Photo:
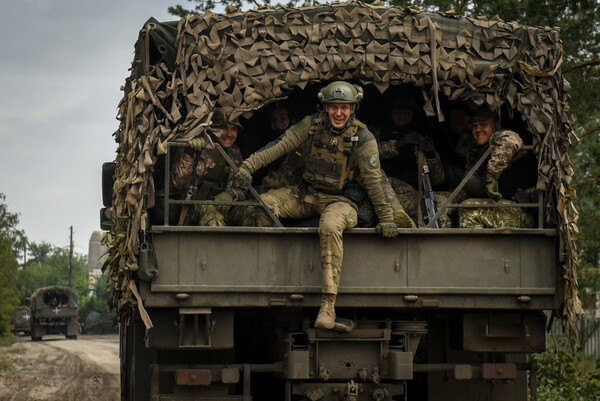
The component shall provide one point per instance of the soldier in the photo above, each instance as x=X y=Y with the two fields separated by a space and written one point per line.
x=341 y=151
x=398 y=138
x=206 y=173
x=509 y=169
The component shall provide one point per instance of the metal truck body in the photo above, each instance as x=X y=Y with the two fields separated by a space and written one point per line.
x=442 y=314
x=54 y=310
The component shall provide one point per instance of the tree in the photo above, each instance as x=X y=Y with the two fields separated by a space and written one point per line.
x=10 y=237
x=53 y=269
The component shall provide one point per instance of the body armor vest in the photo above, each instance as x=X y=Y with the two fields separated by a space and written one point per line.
x=330 y=163
x=214 y=181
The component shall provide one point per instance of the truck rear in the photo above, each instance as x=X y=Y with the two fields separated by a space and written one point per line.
x=54 y=310
x=227 y=313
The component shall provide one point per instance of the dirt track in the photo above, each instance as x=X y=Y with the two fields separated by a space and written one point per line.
x=57 y=369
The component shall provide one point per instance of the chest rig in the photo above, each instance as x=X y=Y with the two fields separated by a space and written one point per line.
x=332 y=160
x=214 y=180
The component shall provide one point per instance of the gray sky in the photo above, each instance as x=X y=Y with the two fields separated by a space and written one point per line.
x=62 y=63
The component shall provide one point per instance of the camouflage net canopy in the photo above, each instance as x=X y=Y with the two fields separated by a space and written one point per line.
x=243 y=61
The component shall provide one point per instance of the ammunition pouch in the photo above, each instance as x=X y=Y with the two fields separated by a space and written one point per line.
x=327 y=174
x=147 y=266
x=367 y=216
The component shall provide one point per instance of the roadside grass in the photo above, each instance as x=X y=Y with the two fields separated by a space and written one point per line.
x=6 y=363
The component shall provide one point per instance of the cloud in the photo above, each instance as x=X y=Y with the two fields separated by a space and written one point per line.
x=63 y=63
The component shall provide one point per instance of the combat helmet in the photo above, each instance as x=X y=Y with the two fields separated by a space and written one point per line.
x=341 y=92
x=221 y=118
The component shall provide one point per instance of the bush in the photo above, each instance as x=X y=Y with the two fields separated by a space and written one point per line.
x=567 y=374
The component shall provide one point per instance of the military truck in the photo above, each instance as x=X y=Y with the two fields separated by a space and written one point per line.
x=227 y=313
x=22 y=320
x=54 y=310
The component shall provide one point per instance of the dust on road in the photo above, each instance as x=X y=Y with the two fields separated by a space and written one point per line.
x=56 y=369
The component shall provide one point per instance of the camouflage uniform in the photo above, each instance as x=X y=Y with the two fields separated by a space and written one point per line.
x=507 y=151
x=496 y=217
x=409 y=199
x=318 y=193
x=214 y=176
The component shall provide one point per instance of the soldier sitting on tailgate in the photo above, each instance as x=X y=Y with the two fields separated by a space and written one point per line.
x=508 y=172
x=342 y=152
x=203 y=173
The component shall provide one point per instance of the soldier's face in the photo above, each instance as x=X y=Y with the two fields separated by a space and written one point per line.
x=229 y=134
x=280 y=119
x=483 y=130
x=339 y=113
x=401 y=116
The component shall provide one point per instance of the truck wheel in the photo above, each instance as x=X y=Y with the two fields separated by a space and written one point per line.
x=135 y=363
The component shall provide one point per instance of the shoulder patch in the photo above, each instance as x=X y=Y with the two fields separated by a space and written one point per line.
x=373 y=160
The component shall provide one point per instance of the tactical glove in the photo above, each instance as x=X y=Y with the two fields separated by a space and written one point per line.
x=387 y=229
x=211 y=217
x=424 y=143
x=197 y=143
x=224 y=197
x=491 y=184
x=243 y=176
x=427 y=148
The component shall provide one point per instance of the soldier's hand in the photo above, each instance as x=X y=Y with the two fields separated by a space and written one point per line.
x=224 y=197
x=387 y=229
x=212 y=217
x=427 y=148
x=423 y=143
x=491 y=184
x=243 y=176
x=197 y=143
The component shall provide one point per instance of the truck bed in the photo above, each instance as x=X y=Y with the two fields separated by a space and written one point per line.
x=441 y=268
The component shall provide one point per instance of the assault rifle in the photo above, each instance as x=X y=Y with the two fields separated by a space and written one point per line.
x=428 y=192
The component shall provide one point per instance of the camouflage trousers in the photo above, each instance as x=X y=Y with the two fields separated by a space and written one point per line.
x=495 y=217
x=409 y=198
x=336 y=215
x=209 y=215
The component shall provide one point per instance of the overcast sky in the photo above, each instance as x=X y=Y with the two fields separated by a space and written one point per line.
x=62 y=63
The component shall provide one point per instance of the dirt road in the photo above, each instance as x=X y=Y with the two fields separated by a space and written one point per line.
x=57 y=369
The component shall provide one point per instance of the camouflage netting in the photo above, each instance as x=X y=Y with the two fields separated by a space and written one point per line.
x=243 y=61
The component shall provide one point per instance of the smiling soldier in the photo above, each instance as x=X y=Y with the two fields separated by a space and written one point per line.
x=342 y=153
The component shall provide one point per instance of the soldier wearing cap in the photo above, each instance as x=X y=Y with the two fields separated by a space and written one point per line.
x=340 y=151
x=206 y=173
x=508 y=169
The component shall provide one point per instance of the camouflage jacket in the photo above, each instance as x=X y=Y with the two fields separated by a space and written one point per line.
x=366 y=160
x=183 y=166
x=508 y=148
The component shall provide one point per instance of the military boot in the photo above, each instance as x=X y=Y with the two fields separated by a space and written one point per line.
x=326 y=317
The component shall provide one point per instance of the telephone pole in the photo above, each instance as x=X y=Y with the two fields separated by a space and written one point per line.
x=71 y=259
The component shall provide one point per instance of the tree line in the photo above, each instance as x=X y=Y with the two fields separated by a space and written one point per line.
x=42 y=265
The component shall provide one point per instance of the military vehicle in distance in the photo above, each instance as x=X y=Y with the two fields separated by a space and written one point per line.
x=227 y=313
x=23 y=320
x=54 y=310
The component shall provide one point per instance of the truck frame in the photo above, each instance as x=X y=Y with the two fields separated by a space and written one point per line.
x=437 y=314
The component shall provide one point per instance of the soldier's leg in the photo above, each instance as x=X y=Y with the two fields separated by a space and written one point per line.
x=475 y=217
x=284 y=203
x=401 y=218
x=510 y=216
x=335 y=218
x=209 y=216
